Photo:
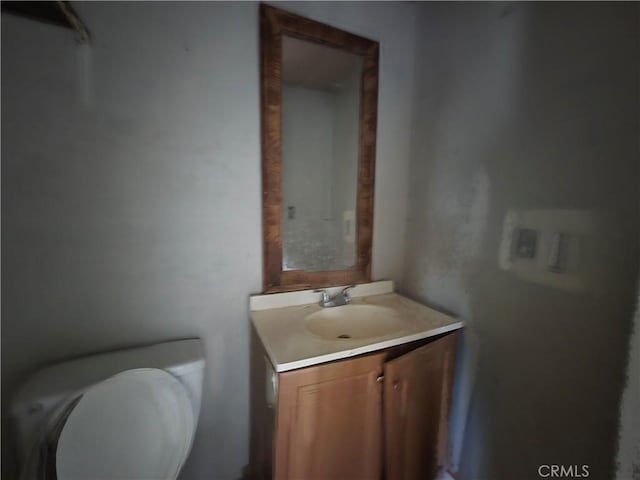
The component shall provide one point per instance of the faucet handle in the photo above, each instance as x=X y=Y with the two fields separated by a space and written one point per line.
x=345 y=292
x=325 y=294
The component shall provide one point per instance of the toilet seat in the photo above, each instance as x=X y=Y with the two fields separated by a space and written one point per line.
x=138 y=424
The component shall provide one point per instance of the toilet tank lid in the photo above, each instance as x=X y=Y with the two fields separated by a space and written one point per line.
x=179 y=357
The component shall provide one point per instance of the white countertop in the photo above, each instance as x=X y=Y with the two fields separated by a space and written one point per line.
x=279 y=320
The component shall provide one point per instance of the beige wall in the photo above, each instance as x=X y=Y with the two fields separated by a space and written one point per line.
x=528 y=106
x=131 y=197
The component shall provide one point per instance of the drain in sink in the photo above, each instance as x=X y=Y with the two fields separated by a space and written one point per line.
x=344 y=335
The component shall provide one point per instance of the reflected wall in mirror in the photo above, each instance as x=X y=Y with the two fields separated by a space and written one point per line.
x=319 y=101
x=320 y=128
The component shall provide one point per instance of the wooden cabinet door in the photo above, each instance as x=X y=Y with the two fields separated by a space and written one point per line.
x=417 y=397
x=329 y=424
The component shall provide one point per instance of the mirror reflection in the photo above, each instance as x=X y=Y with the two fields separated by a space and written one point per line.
x=320 y=138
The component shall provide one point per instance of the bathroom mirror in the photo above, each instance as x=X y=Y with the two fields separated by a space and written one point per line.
x=319 y=90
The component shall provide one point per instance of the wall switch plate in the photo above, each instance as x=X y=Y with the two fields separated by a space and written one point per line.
x=558 y=253
x=506 y=252
x=551 y=247
x=526 y=243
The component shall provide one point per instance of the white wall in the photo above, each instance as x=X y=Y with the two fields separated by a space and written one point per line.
x=628 y=456
x=135 y=217
x=527 y=106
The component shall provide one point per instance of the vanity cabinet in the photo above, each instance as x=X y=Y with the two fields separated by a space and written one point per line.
x=417 y=401
x=382 y=415
x=329 y=421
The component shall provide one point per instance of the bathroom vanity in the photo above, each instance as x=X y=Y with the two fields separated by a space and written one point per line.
x=359 y=387
x=355 y=391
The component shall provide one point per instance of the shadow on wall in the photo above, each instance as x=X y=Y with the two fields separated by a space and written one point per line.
x=527 y=106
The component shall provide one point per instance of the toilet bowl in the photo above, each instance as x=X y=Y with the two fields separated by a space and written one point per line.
x=127 y=414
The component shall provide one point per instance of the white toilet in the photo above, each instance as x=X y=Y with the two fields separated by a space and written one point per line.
x=126 y=414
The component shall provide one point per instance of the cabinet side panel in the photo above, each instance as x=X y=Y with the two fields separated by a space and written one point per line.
x=449 y=345
x=262 y=416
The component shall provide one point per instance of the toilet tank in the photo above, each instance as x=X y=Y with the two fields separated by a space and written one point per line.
x=48 y=387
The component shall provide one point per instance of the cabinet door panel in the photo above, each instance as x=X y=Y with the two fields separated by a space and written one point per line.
x=330 y=419
x=416 y=396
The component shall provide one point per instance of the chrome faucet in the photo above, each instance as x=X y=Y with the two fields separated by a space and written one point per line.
x=341 y=298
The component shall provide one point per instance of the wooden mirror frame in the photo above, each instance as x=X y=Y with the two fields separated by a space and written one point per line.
x=273 y=24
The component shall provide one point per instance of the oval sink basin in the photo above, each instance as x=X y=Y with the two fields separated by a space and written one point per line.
x=353 y=322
